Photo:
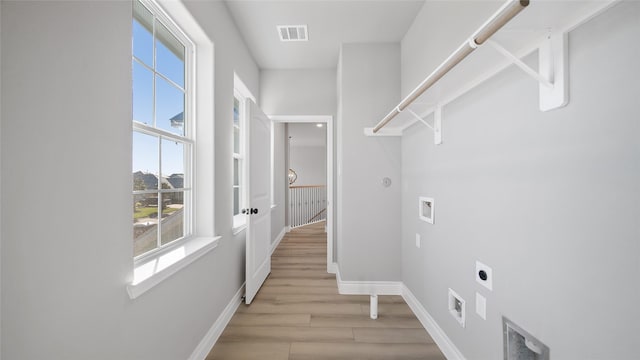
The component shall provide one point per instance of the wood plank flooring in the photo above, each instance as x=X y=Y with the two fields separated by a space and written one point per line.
x=298 y=314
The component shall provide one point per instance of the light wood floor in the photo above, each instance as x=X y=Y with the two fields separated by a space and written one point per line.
x=298 y=314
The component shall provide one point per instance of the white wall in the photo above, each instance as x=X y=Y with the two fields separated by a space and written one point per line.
x=368 y=213
x=308 y=156
x=298 y=92
x=549 y=200
x=66 y=255
x=310 y=163
x=459 y=18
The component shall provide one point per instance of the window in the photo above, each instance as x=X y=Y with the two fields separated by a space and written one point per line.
x=241 y=95
x=163 y=128
x=238 y=161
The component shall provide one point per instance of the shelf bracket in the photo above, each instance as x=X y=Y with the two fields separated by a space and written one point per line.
x=553 y=59
x=553 y=70
x=437 y=123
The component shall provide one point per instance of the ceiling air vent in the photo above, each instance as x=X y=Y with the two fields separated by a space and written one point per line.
x=293 y=32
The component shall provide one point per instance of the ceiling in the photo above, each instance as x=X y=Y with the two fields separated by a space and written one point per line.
x=330 y=23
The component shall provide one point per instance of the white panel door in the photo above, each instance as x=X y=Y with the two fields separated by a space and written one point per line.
x=258 y=261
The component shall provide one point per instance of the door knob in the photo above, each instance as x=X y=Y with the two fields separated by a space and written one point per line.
x=254 y=211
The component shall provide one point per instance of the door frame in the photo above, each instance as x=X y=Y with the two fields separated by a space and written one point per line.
x=328 y=120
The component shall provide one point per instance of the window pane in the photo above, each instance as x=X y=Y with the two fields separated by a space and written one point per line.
x=145 y=161
x=236 y=139
x=169 y=107
x=142 y=34
x=172 y=216
x=142 y=44
x=169 y=55
x=236 y=174
x=142 y=94
x=236 y=112
x=145 y=223
x=172 y=164
x=236 y=200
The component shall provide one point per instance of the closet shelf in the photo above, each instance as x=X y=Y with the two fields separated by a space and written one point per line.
x=543 y=26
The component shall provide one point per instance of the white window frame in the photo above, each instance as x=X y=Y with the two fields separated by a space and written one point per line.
x=188 y=140
x=242 y=93
x=151 y=270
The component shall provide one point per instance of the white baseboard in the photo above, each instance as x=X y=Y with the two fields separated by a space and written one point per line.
x=206 y=344
x=275 y=244
x=445 y=344
x=367 y=287
x=332 y=268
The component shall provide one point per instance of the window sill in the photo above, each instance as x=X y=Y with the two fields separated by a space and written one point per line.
x=240 y=228
x=239 y=224
x=157 y=269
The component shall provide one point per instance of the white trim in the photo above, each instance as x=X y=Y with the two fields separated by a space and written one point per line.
x=279 y=238
x=346 y=287
x=368 y=131
x=332 y=268
x=202 y=109
x=450 y=351
x=301 y=118
x=206 y=344
x=238 y=229
x=239 y=221
x=160 y=268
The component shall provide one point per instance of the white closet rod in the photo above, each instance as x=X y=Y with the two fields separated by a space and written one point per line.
x=507 y=12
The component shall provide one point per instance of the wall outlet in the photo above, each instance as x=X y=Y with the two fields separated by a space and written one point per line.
x=457 y=307
x=481 y=306
x=426 y=209
x=418 y=240
x=484 y=275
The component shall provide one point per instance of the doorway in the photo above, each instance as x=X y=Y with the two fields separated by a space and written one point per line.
x=327 y=122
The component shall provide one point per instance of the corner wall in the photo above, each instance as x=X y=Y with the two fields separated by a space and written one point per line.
x=549 y=200
x=368 y=213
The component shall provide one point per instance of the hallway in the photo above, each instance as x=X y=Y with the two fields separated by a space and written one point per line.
x=298 y=314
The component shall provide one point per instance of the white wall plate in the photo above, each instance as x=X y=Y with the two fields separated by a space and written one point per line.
x=484 y=275
x=457 y=307
x=481 y=306
x=426 y=209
